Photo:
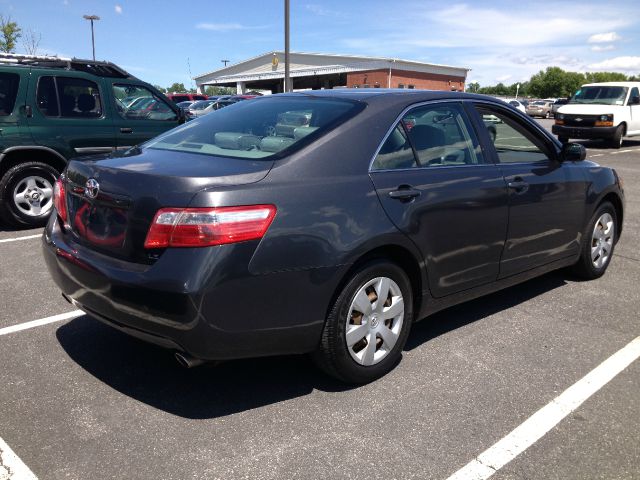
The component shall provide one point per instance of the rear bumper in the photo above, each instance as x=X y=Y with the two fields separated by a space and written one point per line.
x=584 y=132
x=202 y=301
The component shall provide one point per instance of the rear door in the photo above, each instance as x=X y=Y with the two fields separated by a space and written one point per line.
x=139 y=113
x=69 y=113
x=547 y=197
x=438 y=187
x=13 y=93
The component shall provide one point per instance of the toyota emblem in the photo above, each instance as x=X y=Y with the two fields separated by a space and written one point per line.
x=91 y=188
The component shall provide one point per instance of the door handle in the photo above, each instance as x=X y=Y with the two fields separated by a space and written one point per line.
x=404 y=193
x=126 y=130
x=519 y=185
x=28 y=111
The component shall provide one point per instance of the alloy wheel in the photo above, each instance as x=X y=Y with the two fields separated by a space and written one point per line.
x=33 y=196
x=602 y=240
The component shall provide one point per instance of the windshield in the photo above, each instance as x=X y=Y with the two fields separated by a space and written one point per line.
x=258 y=129
x=603 y=95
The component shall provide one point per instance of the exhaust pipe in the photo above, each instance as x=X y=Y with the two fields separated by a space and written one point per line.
x=187 y=361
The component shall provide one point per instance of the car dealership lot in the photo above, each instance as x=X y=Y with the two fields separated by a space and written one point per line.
x=81 y=400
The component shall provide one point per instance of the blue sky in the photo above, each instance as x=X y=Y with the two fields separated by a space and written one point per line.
x=499 y=40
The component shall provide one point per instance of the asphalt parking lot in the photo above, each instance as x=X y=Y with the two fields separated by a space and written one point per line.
x=81 y=400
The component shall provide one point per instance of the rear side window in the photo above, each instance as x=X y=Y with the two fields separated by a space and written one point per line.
x=440 y=135
x=68 y=97
x=135 y=102
x=258 y=128
x=8 y=90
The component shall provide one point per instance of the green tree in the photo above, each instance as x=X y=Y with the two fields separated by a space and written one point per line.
x=176 y=88
x=9 y=32
x=473 y=87
x=597 y=77
x=161 y=89
x=219 y=91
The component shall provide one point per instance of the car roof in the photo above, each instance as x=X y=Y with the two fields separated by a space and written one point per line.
x=612 y=84
x=389 y=95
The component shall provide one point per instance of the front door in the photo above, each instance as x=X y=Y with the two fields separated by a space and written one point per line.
x=546 y=196
x=438 y=187
x=140 y=114
x=69 y=114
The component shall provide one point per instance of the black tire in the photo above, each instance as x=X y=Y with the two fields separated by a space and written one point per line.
x=563 y=139
x=616 y=140
x=584 y=267
x=547 y=115
x=332 y=355
x=10 y=211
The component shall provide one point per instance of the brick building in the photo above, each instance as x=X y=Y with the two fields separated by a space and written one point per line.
x=316 y=71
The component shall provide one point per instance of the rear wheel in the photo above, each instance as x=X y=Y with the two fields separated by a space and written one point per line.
x=368 y=325
x=599 y=243
x=26 y=194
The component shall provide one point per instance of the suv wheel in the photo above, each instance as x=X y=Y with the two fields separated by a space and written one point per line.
x=26 y=194
x=368 y=325
x=616 y=140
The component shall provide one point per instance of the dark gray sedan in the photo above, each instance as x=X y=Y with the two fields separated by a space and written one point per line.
x=325 y=223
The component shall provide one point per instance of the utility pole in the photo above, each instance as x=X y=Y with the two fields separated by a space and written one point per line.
x=91 y=18
x=225 y=62
x=287 y=74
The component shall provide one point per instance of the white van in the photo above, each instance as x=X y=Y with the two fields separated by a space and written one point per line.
x=607 y=111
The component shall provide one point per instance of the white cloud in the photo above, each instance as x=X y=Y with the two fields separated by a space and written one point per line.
x=626 y=63
x=222 y=27
x=604 y=37
x=602 y=48
x=322 y=11
x=503 y=78
x=118 y=9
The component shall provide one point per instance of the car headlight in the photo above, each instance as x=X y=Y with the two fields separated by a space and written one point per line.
x=560 y=116
x=605 y=120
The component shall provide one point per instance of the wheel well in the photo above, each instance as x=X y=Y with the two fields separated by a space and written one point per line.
x=624 y=128
x=617 y=204
x=393 y=253
x=17 y=157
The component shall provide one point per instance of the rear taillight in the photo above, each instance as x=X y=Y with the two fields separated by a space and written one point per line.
x=60 y=199
x=203 y=227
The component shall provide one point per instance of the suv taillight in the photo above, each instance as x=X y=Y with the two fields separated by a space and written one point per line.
x=60 y=199
x=203 y=227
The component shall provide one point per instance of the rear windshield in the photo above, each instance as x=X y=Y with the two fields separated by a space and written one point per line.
x=600 y=94
x=258 y=128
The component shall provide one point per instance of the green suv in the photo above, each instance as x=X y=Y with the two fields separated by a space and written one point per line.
x=53 y=109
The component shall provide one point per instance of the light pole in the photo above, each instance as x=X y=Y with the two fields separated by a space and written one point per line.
x=93 y=43
x=287 y=75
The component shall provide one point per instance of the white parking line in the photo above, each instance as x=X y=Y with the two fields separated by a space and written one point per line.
x=40 y=322
x=11 y=467
x=541 y=422
x=28 y=237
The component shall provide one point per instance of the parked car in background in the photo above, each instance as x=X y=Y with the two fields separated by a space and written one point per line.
x=197 y=109
x=242 y=97
x=557 y=104
x=317 y=223
x=608 y=111
x=539 y=108
x=183 y=97
x=53 y=109
x=517 y=104
x=218 y=104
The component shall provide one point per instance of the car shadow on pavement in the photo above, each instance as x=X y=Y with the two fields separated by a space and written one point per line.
x=469 y=312
x=602 y=145
x=151 y=375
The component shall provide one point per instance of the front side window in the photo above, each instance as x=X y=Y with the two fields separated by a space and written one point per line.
x=634 y=94
x=135 y=102
x=513 y=141
x=68 y=97
x=440 y=135
x=259 y=128
x=8 y=91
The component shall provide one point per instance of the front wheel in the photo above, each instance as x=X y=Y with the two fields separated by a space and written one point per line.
x=26 y=194
x=368 y=325
x=599 y=240
x=616 y=140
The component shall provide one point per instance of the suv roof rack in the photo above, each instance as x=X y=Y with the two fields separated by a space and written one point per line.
x=102 y=69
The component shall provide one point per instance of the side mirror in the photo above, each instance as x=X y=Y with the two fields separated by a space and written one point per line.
x=634 y=100
x=573 y=152
x=181 y=116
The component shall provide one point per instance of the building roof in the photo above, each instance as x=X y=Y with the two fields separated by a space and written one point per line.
x=303 y=64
